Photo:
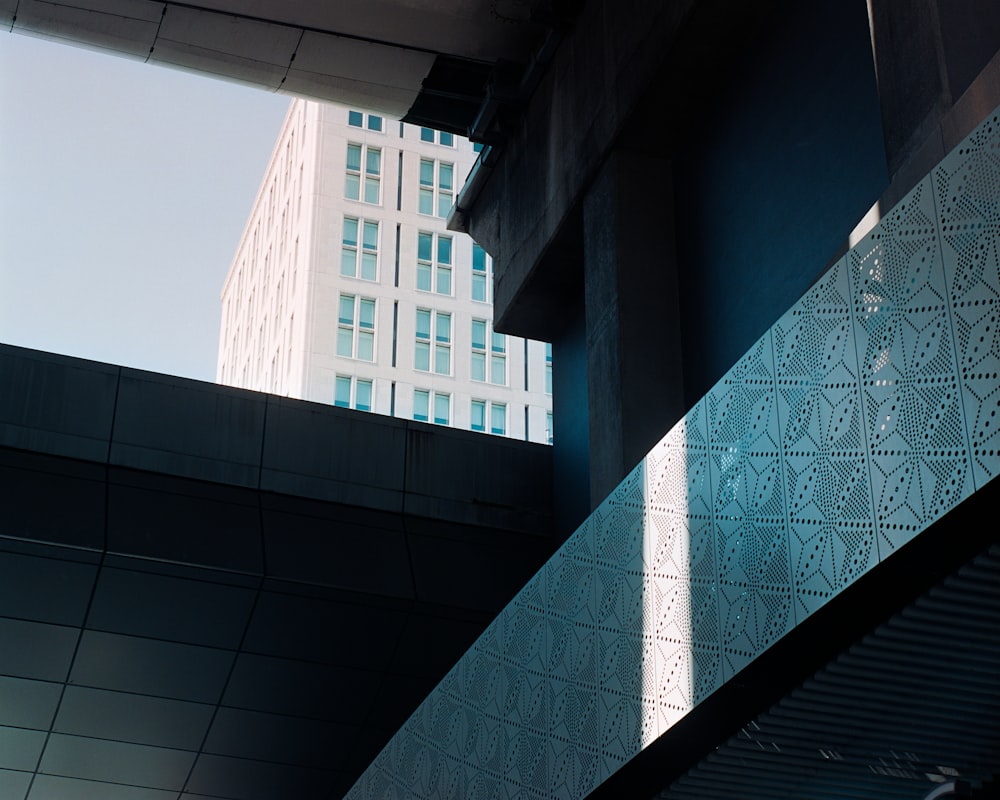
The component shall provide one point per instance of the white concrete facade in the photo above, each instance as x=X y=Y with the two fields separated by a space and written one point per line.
x=348 y=289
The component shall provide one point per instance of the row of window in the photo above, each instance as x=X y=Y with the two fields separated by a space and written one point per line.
x=431 y=406
x=351 y=392
x=435 y=258
x=373 y=122
x=428 y=405
x=363 y=181
x=356 y=327
x=364 y=174
x=432 y=351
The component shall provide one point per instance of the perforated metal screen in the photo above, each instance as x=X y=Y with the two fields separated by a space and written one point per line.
x=863 y=415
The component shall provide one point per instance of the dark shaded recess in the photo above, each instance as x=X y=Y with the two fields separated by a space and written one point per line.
x=909 y=73
x=707 y=49
x=548 y=302
x=927 y=54
x=451 y=95
x=455 y=89
x=989 y=790
x=968 y=48
x=776 y=166
x=571 y=426
x=915 y=569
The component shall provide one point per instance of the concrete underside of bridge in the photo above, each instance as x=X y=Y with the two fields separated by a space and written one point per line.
x=664 y=181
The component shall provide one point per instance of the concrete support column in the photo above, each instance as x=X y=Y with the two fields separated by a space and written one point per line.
x=634 y=365
x=571 y=437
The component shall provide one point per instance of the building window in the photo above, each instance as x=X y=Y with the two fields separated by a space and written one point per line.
x=442 y=408
x=498 y=418
x=364 y=168
x=424 y=401
x=483 y=412
x=356 y=327
x=359 y=258
x=437 y=187
x=358 y=119
x=548 y=426
x=434 y=262
x=497 y=356
x=477 y=415
x=439 y=137
x=351 y=392
x=480 y=276
x=478 y=370
x=421 y=405
x=433 y=334
x=548 y=369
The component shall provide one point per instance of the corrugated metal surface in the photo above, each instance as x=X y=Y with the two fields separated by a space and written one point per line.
x=915 y=704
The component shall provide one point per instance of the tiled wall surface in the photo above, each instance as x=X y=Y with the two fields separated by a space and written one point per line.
x=209 y=592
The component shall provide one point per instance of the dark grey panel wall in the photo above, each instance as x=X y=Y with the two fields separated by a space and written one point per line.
x=928 y=53
x=970 y=32
x=775 y=175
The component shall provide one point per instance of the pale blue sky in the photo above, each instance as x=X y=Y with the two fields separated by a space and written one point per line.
x=124 y=188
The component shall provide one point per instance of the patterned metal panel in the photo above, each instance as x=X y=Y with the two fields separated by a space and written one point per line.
x=830 y=514
x=865 y=413
x=967 y=197
x=917 y=447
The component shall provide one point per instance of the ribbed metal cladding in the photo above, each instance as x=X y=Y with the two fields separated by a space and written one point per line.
x=912 y=705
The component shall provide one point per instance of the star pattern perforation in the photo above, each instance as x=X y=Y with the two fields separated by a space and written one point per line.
x=916 y=440
x=966 y=188
x=867 y=411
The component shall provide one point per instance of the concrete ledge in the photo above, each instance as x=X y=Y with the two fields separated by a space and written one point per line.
x=56 y=404
x=333 y=454
x=102 y=414
x=139 y=466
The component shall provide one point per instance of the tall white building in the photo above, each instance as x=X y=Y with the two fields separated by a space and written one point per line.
x=347 y=288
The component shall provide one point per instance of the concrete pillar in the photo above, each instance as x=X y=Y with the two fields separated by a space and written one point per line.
x=634 y=365
x=571 y=434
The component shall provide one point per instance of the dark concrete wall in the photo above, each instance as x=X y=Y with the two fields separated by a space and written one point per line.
x=970 y=33
x=775 y=174
x=571 y=421
x=780 y=135
x=635 y=371
x=598 y=74
x=928 y=53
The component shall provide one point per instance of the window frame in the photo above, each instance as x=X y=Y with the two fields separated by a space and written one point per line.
x=365 y=121
x=488 y=409
x=548 y=368
x=487 y=353
x=432 y=270
x=433 y=341
x=361 y=334
x=434 y=189
x=502 y=408
x=355 y=385
x=429 y=400
x=362 y=174
x=481 y=276
x=433 y=136
x=360 y=248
